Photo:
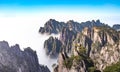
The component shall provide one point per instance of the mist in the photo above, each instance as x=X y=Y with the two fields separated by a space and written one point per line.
x=24 y=31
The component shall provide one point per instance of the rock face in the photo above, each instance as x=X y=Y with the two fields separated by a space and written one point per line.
x=68 y=32
x=12 y=59
x=67 y=37
x=116 y=27
x=105 y=47
x=85 y=47
x=77 y=62
x=102 y=46
x=52 y=47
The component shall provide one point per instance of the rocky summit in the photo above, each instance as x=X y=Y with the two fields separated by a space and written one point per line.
x=55 y=27
x=12 y=59
x=89 y=46
x=52 y=47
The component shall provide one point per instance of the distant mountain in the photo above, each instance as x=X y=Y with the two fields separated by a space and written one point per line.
x=52 y=47
x=55 y=27
x=12 y=59
x=116 y=27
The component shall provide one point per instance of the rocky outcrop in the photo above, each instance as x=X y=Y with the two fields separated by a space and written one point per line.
x=52 y=47
x=92 y=51
x=60 y=68
x=55 y=27
x=92 y=46
x=102 y=45
x=67 y=37
x=116 y=27
x=68 y=32
x=52 y=26
x=74 y=26
x=77 y=62
x=12 y=59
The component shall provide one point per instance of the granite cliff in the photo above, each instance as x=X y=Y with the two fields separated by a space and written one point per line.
x=12 y=59
x=92 y=51
x=89 y=46
x=52 y=47
x=67 y=31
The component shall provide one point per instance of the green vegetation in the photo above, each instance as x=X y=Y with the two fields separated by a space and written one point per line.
x=68 y=62
x=78 y=58
x=96 y=45
x=113 y=68
x=91 y=69
x=80 y=49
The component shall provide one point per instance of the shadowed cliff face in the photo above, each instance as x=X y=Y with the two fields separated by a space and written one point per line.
x=12 y=59
x=52 y=47
x=67 y=37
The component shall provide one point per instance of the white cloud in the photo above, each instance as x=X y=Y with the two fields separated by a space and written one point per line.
x=19 y=27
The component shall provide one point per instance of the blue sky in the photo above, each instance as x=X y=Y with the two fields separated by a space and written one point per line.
x=42 y=3
x=61 y=5
x=59 y=2
x=76 y=9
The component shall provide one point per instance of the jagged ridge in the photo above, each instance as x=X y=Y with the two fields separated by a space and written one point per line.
x=12 y=59
x=68 y=32
x=53 y=26
x=101 y=43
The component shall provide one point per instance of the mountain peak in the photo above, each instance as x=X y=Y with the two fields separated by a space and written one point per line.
x=52 y=21
x=53 y=26
x=12 y=59
x=98 y=21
